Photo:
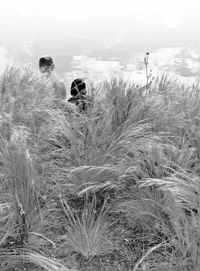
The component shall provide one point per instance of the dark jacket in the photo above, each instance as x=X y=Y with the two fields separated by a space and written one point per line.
x=81 y=101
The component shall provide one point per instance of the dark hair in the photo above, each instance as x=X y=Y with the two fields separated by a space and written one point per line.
x=46 y=61
x=77 y=86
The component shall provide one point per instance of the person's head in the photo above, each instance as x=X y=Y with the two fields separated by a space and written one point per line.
x=78 y=86
x=46 y=64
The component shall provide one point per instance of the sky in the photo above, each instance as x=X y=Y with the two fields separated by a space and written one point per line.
x=26 y=20
x=71 y=30
x=28 y=11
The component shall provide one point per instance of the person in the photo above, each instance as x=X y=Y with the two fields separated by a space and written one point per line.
x=79 y=95
x=47 y=67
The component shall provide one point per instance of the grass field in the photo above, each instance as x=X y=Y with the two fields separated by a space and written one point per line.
x=115 y=189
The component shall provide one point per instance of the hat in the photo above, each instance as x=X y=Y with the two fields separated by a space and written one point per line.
x=77 y=86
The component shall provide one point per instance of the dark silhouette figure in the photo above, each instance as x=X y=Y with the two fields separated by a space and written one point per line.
x=47 y=67
x=79 y=95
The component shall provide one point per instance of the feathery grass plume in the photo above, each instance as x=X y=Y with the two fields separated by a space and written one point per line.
x=119 y=96
x=61 y=141
x=142 y=166
x=183 y=185
x=5 y=127
x=85 y=233
x=167 y=105
x=150 y=209
x=183 y=111
x=18 y=186
x=184 y=188
x=86 y=136
x=181 y=155
x=165 y=221
x=8 y=79
x=29 y=259
x=5 y=221
x=25 y=96
x=83 y=176
x=92 y=142
x=150 y=160
x=46 y=263
x=101 y=183
x=128 y=139
x=155 y=159
x=90 y=137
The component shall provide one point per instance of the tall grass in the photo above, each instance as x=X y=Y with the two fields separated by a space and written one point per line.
x=18 y=182
x=136 y=152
